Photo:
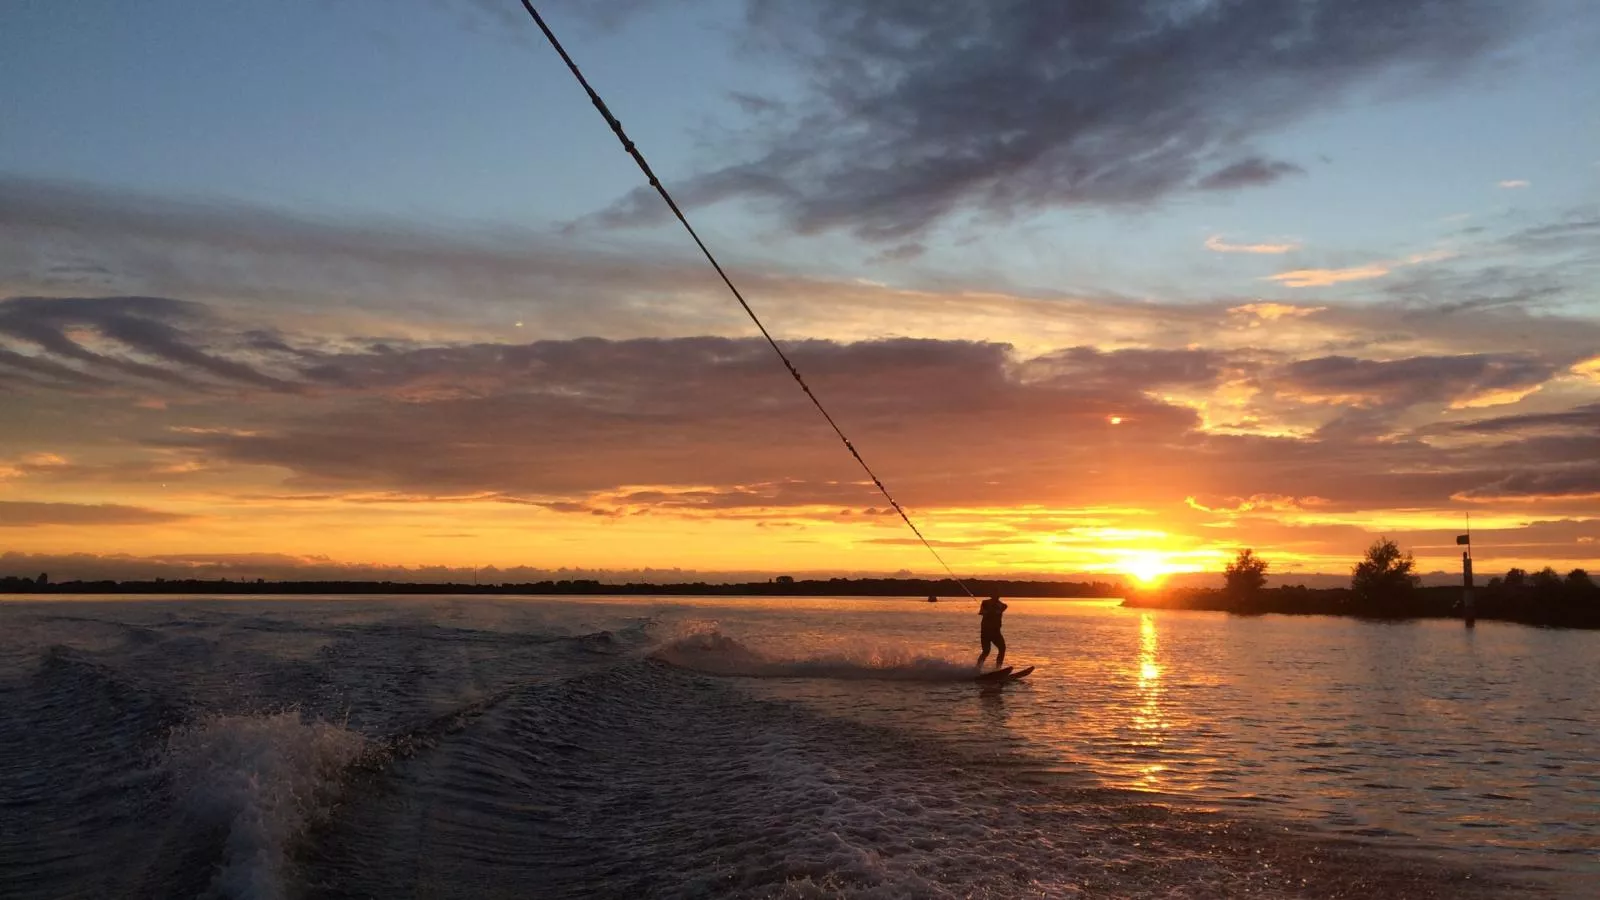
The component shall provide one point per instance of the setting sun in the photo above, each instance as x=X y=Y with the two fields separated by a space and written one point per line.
x=1148 y=568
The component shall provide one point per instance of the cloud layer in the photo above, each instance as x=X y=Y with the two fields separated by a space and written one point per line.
x=704 y=424
x=921 y=111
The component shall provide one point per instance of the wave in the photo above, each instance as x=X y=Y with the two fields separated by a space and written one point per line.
x=602 y=766
x=639 y=780
x=708 y=651
x=261 y=780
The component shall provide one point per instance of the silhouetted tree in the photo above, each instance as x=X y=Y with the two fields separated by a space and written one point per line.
x=1578 y=580
x=1545 y=581
x=1385 y=573
x=1516 y=578
x=1245 y=576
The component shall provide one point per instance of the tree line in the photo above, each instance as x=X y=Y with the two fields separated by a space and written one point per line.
x=780 y=586
x=1383 y=584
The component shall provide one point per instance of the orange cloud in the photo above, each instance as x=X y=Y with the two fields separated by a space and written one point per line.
x=1324 y=277
x=1218 y=244
x=1495 y=397
x=1256 y=503
x=1275 y=311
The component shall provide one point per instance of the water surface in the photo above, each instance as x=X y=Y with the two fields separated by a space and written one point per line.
x=627 y=747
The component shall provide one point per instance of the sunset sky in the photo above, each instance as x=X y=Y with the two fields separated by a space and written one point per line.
x=340 y=286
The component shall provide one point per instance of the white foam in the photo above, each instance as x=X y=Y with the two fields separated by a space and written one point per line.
x=264 y=779
x=708 y=650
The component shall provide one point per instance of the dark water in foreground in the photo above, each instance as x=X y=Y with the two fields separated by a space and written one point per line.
x=473 y=747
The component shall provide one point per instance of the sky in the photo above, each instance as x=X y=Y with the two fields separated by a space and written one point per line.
x=346 y=288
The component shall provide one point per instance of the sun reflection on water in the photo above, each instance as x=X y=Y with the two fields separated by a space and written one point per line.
x=1149 y=718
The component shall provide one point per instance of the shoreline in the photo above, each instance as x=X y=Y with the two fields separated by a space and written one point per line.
x=911 y=588
x=1564 y=608
x=1523 y=606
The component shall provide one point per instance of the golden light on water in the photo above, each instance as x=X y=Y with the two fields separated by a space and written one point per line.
x=1149 y=718
x=1149 y=669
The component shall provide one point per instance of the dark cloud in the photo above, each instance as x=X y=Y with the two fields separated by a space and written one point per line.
x=22 y=514
x=755 y=105
x=1581 y=419
x=712 y=423
x=1251 y=172
x=1578 y=230
x=38 y=372
x=715 y=426
x=150 y=339
x=921 y=110
x=289 y=265
x=268 y=271
x=1349 y=381
x=1577 y=481
x=1089 y=367
x=902 y=252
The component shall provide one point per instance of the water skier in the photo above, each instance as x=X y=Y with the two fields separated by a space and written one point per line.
x=991 y=610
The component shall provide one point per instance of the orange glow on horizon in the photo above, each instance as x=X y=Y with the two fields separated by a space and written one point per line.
x=198 y=513
x=1148 y=567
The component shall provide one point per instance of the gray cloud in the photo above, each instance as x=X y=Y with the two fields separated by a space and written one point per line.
x=1090 y=368
x=1403 y=382
x=1581 y=480
x=579 y=417
x=150 y=339
x=261 y=260
x=715 y=424
x=1251 y=172
x=1579 y=230
x=922 y=110
x=1580 y=419
x=22 y=514
x=352 y=279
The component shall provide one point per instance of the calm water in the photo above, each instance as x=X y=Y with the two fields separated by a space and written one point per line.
x=345 y=747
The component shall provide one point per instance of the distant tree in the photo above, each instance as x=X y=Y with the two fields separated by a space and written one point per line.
x=1246 y=575
x=1516 y=578
x=1384 y=574
x=1579 y=580
x=785 y=579
x=1545 y=580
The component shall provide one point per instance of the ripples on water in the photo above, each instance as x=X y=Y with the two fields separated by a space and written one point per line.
x=477 y=747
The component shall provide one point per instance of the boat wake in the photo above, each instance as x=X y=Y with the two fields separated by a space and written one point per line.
x=709 y=651
x=261 y=781
x=220 y=754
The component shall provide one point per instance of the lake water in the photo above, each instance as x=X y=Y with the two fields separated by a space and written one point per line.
x=628 y=747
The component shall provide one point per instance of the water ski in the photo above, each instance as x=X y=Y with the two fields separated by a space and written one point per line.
x=1000 y=675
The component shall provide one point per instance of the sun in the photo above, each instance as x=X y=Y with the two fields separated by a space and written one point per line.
x=1146 y=572
x=1147 y=568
